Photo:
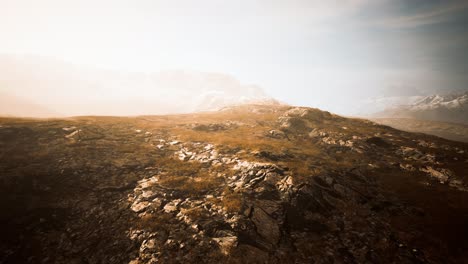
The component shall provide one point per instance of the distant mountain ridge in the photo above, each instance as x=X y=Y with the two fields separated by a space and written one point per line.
x=452 y=101
x=72 y=90
x=446 y=108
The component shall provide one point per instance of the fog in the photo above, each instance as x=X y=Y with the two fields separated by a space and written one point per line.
x=54 y=87
x=114 y=57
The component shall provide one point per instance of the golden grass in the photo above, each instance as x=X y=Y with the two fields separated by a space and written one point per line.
x=193 y=213
x=153 y=222
x=249 y=135
x=232 y=202
x=191 y=177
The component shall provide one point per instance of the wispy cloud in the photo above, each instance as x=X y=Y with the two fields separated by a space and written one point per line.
x=437 y=14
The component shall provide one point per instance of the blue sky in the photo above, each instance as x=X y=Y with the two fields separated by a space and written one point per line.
x=327 y=54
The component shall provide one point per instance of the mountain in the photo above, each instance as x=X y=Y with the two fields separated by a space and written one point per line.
x=76 y=90
x=15 y=106
x=372 y=107
x=445 y=108
x=262 y=183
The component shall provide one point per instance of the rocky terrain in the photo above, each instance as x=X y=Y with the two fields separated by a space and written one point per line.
x=247 y=184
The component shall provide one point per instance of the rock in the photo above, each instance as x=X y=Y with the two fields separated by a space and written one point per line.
x=169 y=208
x=69 y=128
x=340 y=189
x=267 y=227
x=329 y=180
x=407 y=167
x=314 y=133
x=139 y=207
x=148 y=244
x=73 y=134
x=156 y=203
x=226 y=244
x=269 y=206
x=285 y=184
x=442 y=175
x=147 y=194
x=183 y=157
x=276 y=134
x=209 y=147
x=457 y=184
x=309 y=114
x=147 y=183
x=378 y=141
x=293 y=124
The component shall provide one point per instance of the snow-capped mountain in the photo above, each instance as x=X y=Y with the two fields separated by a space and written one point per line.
x=447 y=108
x=369 y=106
x=72 y=90
x=436 y=101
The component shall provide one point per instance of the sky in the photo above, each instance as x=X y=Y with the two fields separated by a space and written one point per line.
x=327 y=54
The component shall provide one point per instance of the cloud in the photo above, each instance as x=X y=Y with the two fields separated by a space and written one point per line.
x=401 y=90
x=422 y=17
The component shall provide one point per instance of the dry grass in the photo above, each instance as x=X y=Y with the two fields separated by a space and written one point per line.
x=191 y=177
x=232 y=202
x=154 y=222
x=177 y=167
x=193 y=213
x=191 y=185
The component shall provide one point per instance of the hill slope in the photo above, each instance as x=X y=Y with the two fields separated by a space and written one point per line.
x=249 y=184
x=452 y=131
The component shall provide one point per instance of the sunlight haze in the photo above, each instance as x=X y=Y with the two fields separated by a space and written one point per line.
x=334 y=55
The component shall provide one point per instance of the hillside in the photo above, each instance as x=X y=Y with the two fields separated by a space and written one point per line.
x=452 y=131
x=246 y=184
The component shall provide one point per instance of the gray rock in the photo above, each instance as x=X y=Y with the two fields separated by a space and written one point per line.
x=139 y=206
x=276 y=134
x=267 y=227
x=170 y=207
x=226 y=244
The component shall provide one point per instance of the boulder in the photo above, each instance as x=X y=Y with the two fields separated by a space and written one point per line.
x=278 y=134
x=226 y=244
x=139 y=206
x=267 y=227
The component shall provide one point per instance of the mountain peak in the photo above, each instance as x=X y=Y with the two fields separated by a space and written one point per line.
x=73 y=90
x=447 y=108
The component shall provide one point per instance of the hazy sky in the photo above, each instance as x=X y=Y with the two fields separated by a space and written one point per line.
x=326 y=54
